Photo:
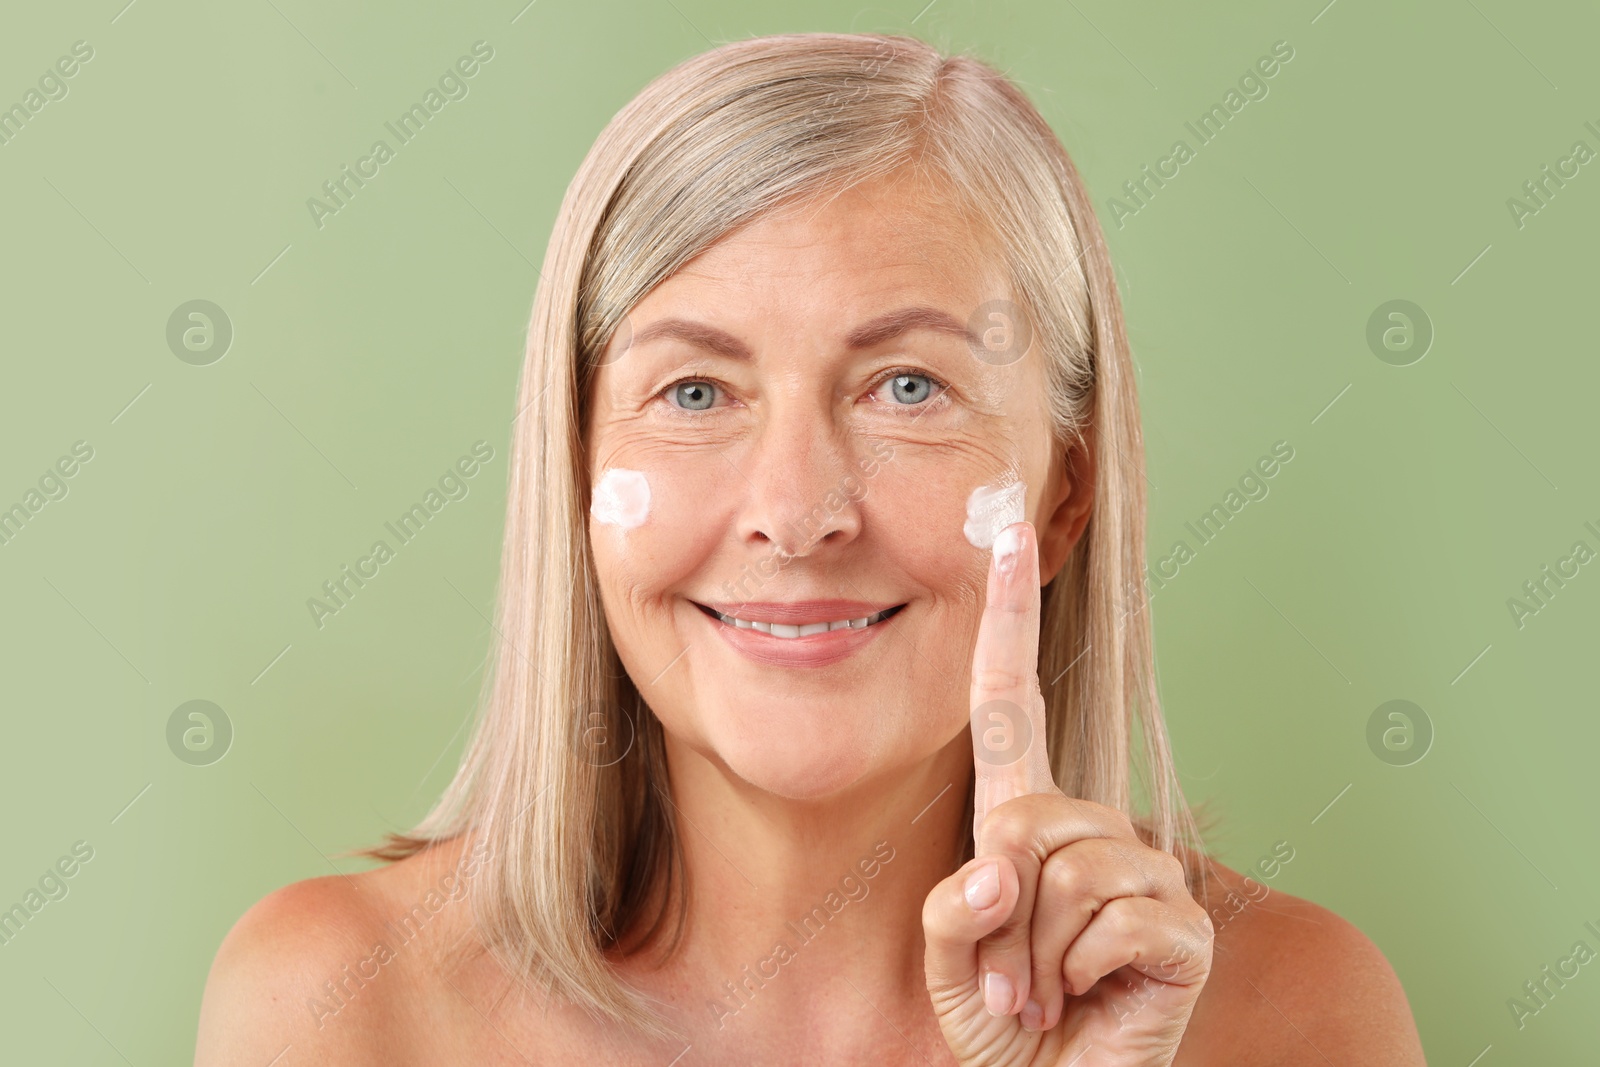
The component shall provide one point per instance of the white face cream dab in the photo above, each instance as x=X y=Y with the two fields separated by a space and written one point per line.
x=991 y=508
x=621 y=498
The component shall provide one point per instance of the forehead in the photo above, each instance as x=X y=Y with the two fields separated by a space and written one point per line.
x=848 y=251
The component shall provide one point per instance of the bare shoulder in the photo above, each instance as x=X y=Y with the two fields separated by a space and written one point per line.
x=320 y=965
x=1293 y=983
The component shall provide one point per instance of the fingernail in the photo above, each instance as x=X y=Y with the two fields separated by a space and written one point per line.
x=983 y=887
x=998 y=993
x=1007 y=548
x=1032 y=1016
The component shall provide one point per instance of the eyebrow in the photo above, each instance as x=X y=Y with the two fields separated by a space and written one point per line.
x=874 y=331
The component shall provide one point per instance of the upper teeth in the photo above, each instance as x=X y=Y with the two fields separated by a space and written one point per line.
x=779 y=629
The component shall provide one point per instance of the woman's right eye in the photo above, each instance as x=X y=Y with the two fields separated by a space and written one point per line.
x=693 y=394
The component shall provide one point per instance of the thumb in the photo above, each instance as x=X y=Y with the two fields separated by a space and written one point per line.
x=963 y=909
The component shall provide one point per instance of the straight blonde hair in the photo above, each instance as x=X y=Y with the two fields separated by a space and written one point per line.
x=579 y=845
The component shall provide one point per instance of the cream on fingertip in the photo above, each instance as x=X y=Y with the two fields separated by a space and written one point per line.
x=1007 y=547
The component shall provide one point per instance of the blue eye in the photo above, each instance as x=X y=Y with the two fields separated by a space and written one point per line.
x=911 y=388
x=691 y=395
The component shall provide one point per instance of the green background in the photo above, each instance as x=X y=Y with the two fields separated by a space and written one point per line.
x=369 y=354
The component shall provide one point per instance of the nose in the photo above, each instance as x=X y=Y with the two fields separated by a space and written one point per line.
x=802 y=482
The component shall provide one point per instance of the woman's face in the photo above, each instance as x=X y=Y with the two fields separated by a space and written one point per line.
x=809 y=418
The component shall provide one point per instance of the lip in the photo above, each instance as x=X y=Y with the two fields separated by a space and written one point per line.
x=813 y=650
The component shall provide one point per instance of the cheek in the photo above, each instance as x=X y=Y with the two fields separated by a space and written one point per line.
x=918 y=510
x=649 y=530
x=918 y=515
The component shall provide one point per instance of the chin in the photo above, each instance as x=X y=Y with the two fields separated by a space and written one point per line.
x=811 y=758
x=799 y=780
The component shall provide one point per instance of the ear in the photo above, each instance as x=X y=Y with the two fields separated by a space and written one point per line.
x=1068 y=504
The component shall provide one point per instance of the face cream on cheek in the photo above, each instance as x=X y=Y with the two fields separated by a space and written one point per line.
x=991 y=508
x=621 y=498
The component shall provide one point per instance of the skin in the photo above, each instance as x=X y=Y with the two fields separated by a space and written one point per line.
x=787 y=780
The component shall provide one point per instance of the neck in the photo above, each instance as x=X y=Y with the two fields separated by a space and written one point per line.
x=786 y=897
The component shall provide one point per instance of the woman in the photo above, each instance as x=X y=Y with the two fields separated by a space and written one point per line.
x=823 y=652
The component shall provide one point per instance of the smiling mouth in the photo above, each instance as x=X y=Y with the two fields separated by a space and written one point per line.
x=795 y=631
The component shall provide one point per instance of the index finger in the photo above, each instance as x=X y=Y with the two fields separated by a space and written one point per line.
x=1008 y=726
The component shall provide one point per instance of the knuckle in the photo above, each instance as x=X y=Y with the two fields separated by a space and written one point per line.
x=1121 y=917
x=1176 y=877
x=1007 y=944
x=1008 y=825
x=1122 y=866
x=1108 y=821
x=1076 y=980
x=1094 y=811
x=1113 y=852
x=1120 y=822
x=1064 y=876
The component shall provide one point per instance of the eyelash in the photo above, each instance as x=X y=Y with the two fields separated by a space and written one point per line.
x=939 y=388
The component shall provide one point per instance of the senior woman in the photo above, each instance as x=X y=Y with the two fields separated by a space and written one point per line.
x=824 y=673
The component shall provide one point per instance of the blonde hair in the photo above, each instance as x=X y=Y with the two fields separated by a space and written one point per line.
x=577 y=849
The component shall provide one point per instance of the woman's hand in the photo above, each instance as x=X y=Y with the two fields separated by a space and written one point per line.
x=1066 y=940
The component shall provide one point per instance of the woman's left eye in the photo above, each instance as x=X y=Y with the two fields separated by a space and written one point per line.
x=908 y=388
